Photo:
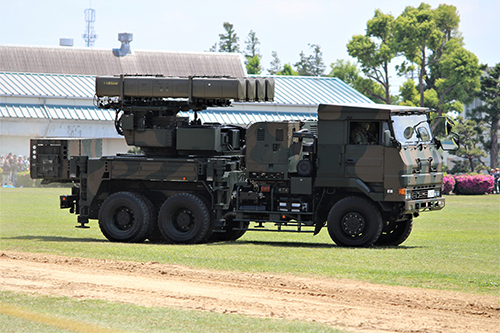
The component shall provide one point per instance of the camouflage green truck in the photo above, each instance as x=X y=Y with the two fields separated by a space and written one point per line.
x=362 y=171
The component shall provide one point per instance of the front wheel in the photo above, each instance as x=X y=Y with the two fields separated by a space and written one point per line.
x=395 y=233
x=354 y=222
x=184 y=218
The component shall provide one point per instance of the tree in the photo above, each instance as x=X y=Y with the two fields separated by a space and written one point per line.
x=253 y=55
x=287 y=70
x=253 y=65
x=311 y=65
x=374 y=51
x=489 y=112
x=469 y=132
x=459 y=81
x=275 y=65
x=228 y=42
x=252 y=45
x=350 y=74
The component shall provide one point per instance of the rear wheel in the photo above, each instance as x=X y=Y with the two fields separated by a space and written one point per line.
x=184 y=218
x=395 y=233
x=354 y=221
x=126 y=217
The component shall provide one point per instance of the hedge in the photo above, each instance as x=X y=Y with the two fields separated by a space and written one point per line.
x=469 y=184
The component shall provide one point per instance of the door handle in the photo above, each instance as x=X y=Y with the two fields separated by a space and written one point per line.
x=350 y=161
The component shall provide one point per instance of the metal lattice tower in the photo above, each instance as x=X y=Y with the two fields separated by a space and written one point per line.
x=89 y=36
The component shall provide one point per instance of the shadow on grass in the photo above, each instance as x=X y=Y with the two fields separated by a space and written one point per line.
x=57 y=239
x=311 y=245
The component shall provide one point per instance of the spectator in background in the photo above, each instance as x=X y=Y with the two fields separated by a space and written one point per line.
x=6 y=171
x=26 y=163
x=15 y=168
x=496 y=175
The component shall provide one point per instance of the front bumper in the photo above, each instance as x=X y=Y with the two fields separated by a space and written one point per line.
x=415 y=206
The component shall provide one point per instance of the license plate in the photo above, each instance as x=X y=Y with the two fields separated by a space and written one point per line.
x=431 y=194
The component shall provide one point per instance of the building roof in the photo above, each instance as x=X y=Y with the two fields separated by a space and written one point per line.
x=315 y=90
x=86 y=61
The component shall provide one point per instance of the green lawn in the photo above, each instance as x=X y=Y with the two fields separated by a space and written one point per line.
x=453 y=249
x=42 y=314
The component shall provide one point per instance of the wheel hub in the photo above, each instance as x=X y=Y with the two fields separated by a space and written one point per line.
x=124 y=218
x=353 y=224
x=184 y=220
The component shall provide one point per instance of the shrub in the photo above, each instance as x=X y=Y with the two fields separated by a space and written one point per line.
x=474 y=184
x=448 y=184
x=24 y=179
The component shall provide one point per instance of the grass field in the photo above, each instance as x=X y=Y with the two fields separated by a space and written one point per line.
x=454 y=249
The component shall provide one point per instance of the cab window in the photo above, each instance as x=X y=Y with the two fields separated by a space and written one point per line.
x=364 y=133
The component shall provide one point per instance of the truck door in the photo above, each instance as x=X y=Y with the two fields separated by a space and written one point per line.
x=364 y=155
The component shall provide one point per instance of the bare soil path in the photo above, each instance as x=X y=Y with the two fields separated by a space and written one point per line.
x=352 y=305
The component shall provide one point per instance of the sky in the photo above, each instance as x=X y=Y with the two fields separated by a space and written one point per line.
x=284 y=26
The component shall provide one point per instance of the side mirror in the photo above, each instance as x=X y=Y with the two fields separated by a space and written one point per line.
x=451 y=146
x=389 y=141
x=387 y=138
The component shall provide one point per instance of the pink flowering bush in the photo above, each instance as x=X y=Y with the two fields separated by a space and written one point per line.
x=448 y=184
x=474 y=184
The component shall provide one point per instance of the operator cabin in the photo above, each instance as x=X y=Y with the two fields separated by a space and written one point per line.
x=48 y=91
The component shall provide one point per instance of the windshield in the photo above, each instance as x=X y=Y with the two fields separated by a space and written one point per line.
x=411 y=129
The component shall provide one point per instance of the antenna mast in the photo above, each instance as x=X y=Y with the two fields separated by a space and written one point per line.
x=89 y=36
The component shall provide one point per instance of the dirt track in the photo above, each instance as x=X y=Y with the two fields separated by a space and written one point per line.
x=355 y=306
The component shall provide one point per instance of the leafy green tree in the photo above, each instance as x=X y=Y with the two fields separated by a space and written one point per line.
x=252 y=54
x=409 y=93
x=303 y=66
x=252 y=45
x=459 y=81
x=416 y=33
x=489 y=112
x=228 y=42
x=287 y=70
x=253 y=65
x=374 y=51
x=350 y=74
x=311 y=65
x=470 y=145
x=275 y=65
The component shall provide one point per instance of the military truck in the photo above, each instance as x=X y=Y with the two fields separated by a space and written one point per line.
x=363 y=171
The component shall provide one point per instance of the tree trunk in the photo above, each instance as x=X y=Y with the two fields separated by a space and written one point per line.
x=421 y=77
x=471 y=162
x=387 y=86
x=494 y=144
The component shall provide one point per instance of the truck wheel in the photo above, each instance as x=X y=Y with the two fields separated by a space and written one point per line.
x=354 y=221
x=395 y=233
x=229 y=234
x=184 y=218
x=126 y=217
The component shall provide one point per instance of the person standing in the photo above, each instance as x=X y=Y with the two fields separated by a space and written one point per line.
x=6 y=171
x=14 y=170
x=496 y=175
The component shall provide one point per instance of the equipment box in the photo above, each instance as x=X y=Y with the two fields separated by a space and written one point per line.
x=49 y=158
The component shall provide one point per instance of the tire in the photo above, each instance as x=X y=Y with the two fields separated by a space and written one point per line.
x=395 y=233
x=126 y=217
x=354 y=222
x=184 y=219
x=229 y=234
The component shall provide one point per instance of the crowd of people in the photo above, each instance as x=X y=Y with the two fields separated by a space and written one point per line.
x=11 y=165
